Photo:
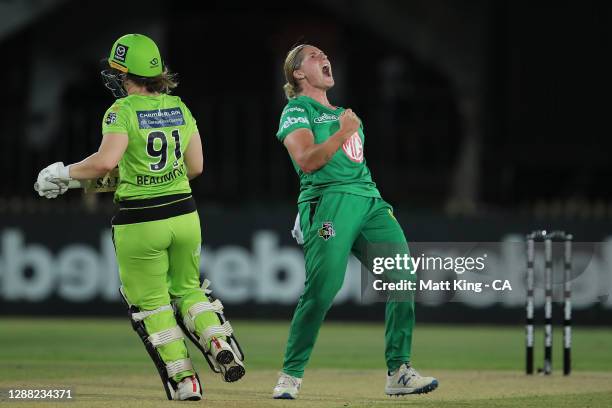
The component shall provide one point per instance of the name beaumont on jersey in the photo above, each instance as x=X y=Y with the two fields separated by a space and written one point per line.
x=147 y=180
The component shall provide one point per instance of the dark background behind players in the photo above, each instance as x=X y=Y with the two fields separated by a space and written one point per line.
x=470 y=105
x=483 y=119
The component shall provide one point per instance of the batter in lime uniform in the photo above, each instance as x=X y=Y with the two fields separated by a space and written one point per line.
x=154 y=140
x=340 y=212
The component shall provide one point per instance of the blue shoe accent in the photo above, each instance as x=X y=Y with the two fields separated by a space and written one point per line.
x=423 y=390
x=285 y=395
x=428 y=388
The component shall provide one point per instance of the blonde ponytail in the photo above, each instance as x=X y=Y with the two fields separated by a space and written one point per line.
x=290 y=92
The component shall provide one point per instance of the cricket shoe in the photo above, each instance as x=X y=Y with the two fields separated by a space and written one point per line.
x=406 y=380
x=287 y=387
x=231 y=367
x=188 y=389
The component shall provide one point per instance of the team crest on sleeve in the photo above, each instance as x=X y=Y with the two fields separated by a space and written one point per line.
x=327 y=230
x=110 y=118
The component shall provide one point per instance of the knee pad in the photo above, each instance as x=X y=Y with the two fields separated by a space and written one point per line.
x=154 y=340
x=218 y=355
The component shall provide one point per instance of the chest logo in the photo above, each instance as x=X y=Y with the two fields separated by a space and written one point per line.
x=353 y=148
x=325 y=117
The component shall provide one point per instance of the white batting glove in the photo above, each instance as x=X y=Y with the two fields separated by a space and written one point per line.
x=53 y=180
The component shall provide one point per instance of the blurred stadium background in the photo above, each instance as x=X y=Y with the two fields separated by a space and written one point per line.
x=485 y=120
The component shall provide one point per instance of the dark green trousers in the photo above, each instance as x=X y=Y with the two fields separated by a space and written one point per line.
x=334 y=227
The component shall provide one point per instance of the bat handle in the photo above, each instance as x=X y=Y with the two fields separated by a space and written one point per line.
x=75 y=184
x=71 y=184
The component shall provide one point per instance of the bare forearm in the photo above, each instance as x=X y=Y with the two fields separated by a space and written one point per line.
x=194 y=170
x=318 y=155
x=92 y=167
x=192 y=175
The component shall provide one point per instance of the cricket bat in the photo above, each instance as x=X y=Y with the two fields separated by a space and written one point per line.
x=104 y=184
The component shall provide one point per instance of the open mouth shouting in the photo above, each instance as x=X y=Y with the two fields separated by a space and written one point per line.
x=326 y=69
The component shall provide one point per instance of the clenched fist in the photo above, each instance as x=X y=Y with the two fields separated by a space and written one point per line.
x=349 y=122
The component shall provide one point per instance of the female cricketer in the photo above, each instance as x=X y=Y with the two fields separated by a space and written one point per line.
x=340 y=212
x=154 y=140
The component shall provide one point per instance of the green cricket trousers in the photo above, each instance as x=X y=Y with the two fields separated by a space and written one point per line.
x=157 y=244
x=335 y=226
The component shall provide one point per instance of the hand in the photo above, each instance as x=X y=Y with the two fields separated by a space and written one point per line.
x=349 y=122
x=53 y=180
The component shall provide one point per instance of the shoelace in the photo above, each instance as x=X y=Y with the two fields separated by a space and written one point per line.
x=410 y=371
x=287 y=380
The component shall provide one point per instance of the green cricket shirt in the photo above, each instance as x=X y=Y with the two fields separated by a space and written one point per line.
x=159 y=129
x=347 y=171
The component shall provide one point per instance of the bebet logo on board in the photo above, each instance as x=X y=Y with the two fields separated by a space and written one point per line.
x=353 y=148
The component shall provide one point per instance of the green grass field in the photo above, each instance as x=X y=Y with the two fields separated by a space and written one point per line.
x=105 y=364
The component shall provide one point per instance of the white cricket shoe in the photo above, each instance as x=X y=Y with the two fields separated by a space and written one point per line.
x=287 y=387
x=188 y=389
x=406 y=380
x=232 y=369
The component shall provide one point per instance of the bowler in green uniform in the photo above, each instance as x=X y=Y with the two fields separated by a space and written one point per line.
x=340 y=212
x=154 y=140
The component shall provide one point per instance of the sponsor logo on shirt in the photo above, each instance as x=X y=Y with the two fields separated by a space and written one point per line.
x=294 y=109
x=293 y=121
x=110 y=118
x=120 y=52
x=353 y=148
x=160 y=118
x=325 y=118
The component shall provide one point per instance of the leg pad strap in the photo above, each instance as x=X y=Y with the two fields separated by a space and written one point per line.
x=164 y=337
x=139 y=316
x=214 y=331
x=178 y=366
x=202 y=307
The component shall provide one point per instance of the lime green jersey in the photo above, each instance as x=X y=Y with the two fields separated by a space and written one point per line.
x=159 y=129
x=347 y=171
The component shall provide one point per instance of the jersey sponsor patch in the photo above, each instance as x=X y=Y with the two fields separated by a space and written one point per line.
x=293 y=121
x=325 y=117
x=110 y=118
x=327 y=231
x=293 y=109
x=353 y=148
x=160 y=118
x=120 y=52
